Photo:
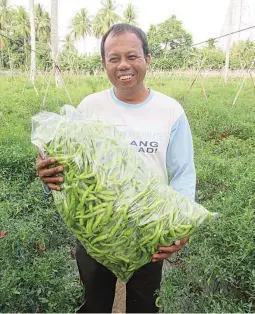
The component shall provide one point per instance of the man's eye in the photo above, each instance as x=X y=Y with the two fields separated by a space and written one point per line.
x=132 y=57
x=114 y=60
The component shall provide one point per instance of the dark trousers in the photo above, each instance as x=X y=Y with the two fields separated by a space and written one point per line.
x=100 y=285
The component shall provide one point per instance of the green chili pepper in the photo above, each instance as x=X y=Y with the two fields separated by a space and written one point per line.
x=116 y=228
x=100 y=238
x=119 y=209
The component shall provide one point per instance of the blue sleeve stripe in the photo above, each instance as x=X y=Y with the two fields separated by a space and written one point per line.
x=180 y=158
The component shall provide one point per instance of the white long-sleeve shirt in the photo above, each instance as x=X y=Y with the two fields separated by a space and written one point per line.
x=157 y=128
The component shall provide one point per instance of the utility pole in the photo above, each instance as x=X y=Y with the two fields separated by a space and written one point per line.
x=229 y=38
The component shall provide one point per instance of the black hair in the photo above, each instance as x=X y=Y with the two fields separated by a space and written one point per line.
x=122 y=28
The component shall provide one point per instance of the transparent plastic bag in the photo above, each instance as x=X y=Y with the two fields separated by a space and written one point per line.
x=110 y=200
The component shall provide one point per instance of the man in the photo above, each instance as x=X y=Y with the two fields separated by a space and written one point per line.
x=157 y=127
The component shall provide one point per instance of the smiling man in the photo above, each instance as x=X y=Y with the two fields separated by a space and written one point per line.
x=126 y=68
x=157 y=127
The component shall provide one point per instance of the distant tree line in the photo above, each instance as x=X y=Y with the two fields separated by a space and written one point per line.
x=170 y=44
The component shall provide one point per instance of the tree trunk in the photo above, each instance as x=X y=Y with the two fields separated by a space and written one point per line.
x=25 y=51
x=84 y=45
x=54 y=42
x=33 y=51
x=229 y=39
x=98 y=48
x=2 y=54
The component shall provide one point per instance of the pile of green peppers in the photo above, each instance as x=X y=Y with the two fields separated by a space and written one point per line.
x=119 y=210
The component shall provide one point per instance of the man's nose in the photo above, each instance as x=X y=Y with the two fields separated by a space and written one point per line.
x=123 y=65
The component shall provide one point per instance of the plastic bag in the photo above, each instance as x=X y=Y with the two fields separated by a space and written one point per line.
x=118 y=209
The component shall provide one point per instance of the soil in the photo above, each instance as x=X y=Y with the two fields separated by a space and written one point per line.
x=119 y=305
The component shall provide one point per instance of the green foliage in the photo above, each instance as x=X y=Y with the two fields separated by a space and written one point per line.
x=43 y=57
x=173 y=35
x=42 y=24
x=70 y=60
x=242 y=55
x=38 y=272
x=217 y=275
x=108 y=14
x=211 y=43
x=81 y=24
x=5 y=15
x=130 y=15
x=13 y=53
x=98 y=26
x=215 y=58
x=69 y=44
x=168 y=35
x=93 y=64
x=105 y=18
x=20 y=23
x=169 y=42
x=176 y=59
x=170 y=45
x=154 y=41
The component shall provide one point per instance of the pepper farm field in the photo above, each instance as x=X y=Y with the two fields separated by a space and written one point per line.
x=38 y=272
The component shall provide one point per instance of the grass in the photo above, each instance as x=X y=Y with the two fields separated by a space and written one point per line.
x=38 y=271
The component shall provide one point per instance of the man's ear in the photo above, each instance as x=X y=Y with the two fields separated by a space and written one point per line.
x=148 y=60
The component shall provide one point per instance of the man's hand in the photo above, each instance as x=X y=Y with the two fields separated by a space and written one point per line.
x=49 y=175
x=167 y=251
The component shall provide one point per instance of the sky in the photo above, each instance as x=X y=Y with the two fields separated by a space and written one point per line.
x=204 y=19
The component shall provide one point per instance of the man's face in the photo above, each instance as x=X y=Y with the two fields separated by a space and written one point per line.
x=125 y=62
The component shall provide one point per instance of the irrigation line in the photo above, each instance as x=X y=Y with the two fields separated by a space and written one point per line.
x=222 y=36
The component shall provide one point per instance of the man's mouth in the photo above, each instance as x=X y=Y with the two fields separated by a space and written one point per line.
x=125 y=78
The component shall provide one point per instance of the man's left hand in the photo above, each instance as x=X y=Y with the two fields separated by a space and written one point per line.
x=167 y=251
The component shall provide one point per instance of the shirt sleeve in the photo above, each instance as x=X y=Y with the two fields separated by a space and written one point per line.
x=180 y=158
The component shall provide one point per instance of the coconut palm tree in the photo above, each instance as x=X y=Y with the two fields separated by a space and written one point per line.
x=69 y=43
x=130 y=15
x=5 y=17
x=106 y=16
x=20 y=25
x=33 y=51
x=211 y=43
x=42 y=24
x=81 y=25
x=5 y=14
x=104 y=19
x=98 y=27
x=20 y=22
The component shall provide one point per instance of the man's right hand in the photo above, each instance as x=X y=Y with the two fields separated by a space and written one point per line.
x=49 y=175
